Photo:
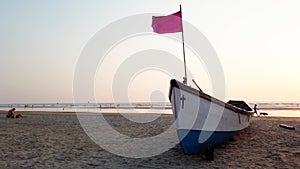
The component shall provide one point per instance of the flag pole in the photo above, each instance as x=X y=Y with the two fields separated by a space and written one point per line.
x=185 y=76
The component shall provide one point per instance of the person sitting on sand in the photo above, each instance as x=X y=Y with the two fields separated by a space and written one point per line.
x=255 y=109
x=11 y=114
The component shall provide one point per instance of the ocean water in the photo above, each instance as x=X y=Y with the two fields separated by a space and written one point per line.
x=281 y=113
x=94 y=110
x=273 y=109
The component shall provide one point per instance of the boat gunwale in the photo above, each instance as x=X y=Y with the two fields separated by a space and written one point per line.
x=179 y=85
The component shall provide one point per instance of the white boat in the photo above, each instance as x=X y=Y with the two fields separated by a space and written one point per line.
x=202 y=121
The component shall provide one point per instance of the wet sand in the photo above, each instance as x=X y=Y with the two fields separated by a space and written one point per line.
x=57 y=140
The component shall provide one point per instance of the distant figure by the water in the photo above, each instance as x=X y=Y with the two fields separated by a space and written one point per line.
x=255 y=109
x=11 y=114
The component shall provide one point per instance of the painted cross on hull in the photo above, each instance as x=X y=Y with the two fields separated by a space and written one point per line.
x=182 y=98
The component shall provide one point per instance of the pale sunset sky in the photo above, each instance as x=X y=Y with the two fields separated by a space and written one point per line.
x=257 y=43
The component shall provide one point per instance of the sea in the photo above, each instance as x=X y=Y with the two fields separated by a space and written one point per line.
x=272 y=109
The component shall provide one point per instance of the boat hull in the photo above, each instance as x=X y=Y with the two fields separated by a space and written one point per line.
x=202 y=122
x=190 y=140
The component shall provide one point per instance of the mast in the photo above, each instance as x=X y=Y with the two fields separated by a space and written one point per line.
x=185 y=75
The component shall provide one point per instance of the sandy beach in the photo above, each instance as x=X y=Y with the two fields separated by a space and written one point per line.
x=57 y=140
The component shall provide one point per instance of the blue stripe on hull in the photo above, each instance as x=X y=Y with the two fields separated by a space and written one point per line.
x=189 y=140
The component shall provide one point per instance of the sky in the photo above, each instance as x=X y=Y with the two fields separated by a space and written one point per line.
x=41 y=43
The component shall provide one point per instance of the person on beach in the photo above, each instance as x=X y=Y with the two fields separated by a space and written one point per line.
x=11 y=114
x=255 y=109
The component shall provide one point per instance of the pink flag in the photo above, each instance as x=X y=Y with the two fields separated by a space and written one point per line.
x=167 y=24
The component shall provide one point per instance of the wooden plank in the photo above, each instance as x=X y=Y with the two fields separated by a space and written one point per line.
x=287 y=126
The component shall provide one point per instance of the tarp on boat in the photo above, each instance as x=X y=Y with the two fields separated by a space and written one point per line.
x=240 y=104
